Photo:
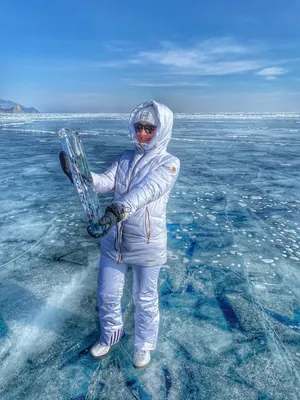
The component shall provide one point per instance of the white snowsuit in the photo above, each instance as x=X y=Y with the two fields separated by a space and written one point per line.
x=141 y=180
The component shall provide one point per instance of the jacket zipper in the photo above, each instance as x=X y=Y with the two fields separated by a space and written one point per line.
x=121 y=223
x=120 y=243
x=149 y=223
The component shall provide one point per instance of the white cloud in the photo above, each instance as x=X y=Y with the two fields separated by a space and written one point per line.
x=168 y=84
x=272 y=71
x=211 y=57
x=117 y=45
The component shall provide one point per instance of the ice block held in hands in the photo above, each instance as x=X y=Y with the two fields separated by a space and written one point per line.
x=82 y=178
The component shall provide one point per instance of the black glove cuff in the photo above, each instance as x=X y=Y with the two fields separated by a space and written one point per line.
x=119 y=210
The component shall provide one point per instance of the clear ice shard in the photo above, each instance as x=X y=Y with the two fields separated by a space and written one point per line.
x=82 y=178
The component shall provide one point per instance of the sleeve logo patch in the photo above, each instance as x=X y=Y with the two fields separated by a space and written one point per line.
x=173 y=169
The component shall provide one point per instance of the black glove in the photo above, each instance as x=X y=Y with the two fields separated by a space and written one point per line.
x=113 y=214
x=65 y=164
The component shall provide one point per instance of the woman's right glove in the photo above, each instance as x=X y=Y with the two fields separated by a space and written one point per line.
x=113 y=214
x=65 y=164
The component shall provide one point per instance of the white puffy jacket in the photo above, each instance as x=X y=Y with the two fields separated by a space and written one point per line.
x=141 y=180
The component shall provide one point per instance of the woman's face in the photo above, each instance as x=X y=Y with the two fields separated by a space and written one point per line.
x=143 y=135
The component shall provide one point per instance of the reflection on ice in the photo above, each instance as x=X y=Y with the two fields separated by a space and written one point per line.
x=229 y=293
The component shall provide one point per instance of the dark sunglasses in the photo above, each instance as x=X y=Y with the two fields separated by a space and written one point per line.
x=148 y=128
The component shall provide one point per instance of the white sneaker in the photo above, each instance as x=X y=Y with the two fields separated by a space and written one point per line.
x=98 y=350
x=141 y=358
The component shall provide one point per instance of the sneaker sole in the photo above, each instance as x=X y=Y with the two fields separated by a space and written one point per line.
x=97 y=357
x=136 y=367
x=140 y=367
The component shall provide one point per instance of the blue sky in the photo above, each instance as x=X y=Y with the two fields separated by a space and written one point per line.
x=108 y=56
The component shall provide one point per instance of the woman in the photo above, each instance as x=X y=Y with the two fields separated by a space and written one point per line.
x=136 y=231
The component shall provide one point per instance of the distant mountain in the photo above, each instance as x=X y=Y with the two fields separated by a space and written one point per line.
x=10 y=107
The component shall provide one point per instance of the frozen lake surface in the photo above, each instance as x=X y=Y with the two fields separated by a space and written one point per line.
x=229 y=293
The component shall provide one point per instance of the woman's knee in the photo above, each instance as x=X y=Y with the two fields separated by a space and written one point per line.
x=144 y=298
x=109 y=298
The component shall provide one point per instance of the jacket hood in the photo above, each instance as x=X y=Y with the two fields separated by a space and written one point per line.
x=164 y=128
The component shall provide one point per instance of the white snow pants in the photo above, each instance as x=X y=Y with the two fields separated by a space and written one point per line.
x=111 y=280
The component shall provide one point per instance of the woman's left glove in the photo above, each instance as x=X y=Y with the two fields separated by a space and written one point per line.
x=65 y=164
x=113 y=214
